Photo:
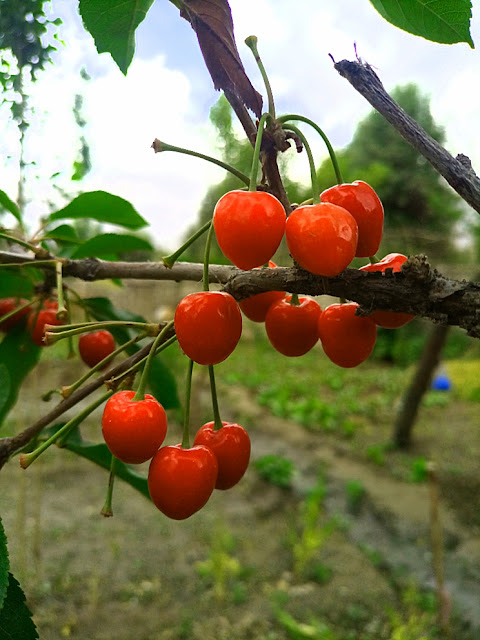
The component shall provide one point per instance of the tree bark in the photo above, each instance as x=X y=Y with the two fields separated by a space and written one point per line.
x=402 y=435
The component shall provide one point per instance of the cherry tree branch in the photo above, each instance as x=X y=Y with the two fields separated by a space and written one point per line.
x=417 y=289
x=458 y=172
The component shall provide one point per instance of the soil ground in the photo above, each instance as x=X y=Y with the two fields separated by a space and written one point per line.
x=251 y=565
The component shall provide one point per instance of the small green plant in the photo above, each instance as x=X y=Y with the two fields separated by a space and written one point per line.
x=376 y=453
x=309 y=535
x=355 y=493
x=221 y=567
x=276 y=469
x=314 y=630
x=419 y=470
x=416 y=621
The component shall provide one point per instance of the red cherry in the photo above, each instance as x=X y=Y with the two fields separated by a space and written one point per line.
x=347 y=339
x=231 y=446
x=322 y=238
x=249 y=226
x=41 y=318
x=365 y=206
x=208 y=325
x=293 y=329
x=6 y=306
x=96 y=346
x=181 y=481
x=256 y=307
x=389 y=319
x=133 y=429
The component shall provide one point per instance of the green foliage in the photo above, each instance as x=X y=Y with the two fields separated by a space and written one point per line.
x=15 y=617
x=23 y=27
x=162 y=384
x=314 y=630
x=447 y=21
x=111 y=246
x=276 y=469
x=103 y=207
x=419 y=470
x=112 y=23
x=221 y=568
x=355 y=493
x=100 y=455
x=10 y=206
x=310 y=535
x=14 y=369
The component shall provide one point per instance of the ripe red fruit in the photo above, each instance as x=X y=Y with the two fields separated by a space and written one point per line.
x=347 y=339
x=181 y=481
x=389 y=319
x=249 y=226
x=208 y=325
x=256 y=307
x=365 y=206
x=293 y=329
x=231 y=446
x=6 y=306
x=133 y=429
x=322 y=238
x=96 y=346
x=38 y=320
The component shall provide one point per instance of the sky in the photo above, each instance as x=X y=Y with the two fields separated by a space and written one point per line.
x=168 y=92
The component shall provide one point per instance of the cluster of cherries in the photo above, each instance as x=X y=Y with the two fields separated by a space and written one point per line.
x=323 y=239
x=93 y=346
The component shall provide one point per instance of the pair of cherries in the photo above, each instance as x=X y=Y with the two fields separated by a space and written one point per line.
x=322 y=238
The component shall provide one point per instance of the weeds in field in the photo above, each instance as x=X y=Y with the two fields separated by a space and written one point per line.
x=221 y=568
x=277 y=470
x=309 y=535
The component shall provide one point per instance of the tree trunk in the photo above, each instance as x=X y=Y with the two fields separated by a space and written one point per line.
x=421 y=380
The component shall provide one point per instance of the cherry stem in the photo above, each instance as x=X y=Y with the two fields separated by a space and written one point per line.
x=294 y=300
x=62 y=313
x=256 y=153
x=206 y=259
x=188 y=395
x=54 y=333
x=38 y=251
x=251 y=43
x=140 y=394
x=159 y=146
x=107 y=510
x=373 y=259
x=170 y=260
x=116 y=381
x=15 y=311
x=313 y=171
x=67 y=391
x=218 y=424
x=313 y=124
x=26 y=459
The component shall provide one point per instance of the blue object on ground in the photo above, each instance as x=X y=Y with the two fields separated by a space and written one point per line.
x=441 y=382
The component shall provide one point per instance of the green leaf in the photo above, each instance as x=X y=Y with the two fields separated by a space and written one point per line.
x=103 y=207
x=15 y=617
x=4 y=565
x=16 y=282
x=18 y=354
x=100 y=455
x=9 y=205
x=444 y=21
x=111 y=244
x=63 y=233
x=102 y=309
x=112 y=24
x=162 y=385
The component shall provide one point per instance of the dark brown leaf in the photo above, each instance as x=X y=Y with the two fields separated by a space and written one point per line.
x=212 y=22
